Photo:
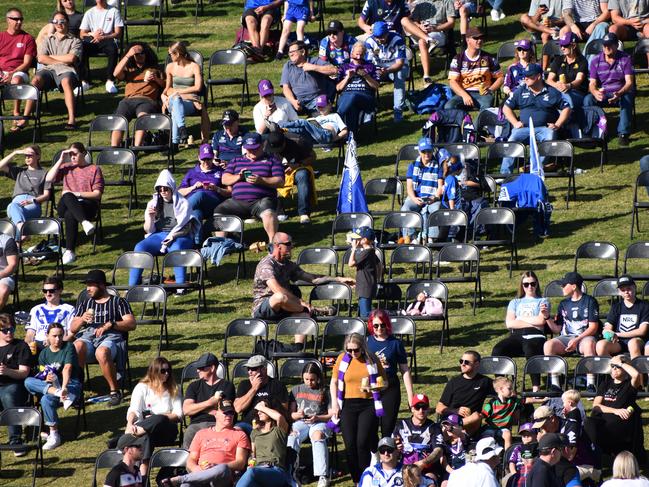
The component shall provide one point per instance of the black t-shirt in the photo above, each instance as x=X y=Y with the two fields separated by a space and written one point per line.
x=470 y=193
x=273 y=388
x=542 y=475
x=200 y=391
x=366 y=273
x=121 y=476
x=13 y=355
x=628 y=319
x=296 y=153
x=618 y=396
x=469 y=393
x=561 y=66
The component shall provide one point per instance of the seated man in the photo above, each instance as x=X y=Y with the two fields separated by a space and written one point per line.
x=51 y=311
x=388 y=11
x=254 y=177
x=127 y=472
x=326 y=128
x=481 y=471
x=429 y=31
x=336 y=47
x=100 y=30
x=8 y=267
x=304 y=78
x=258 y=17
x=464 y=394
x=17 y=51
x=548 y=109
x=612 y=83
x=270 y=108
x=474 y=76
x=59 y=54
x=544 y=18
x=587 y=19
x=387 y=51
x=227 y=142
x=203 y=396
x=216 y=453
x=144 y=85
x=630 y=20
x=627 y=323
x=101 y=323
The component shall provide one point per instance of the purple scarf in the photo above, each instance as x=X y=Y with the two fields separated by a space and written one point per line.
x=373 y=373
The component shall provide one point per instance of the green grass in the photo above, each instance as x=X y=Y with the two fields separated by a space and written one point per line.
x=600 y=212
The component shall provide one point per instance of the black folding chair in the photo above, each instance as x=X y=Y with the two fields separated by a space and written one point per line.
x=407 y=153
x=505 y=220
x=252 y=329
x=318 y=256
x=390 y=187
x=125 y=160
x=30 y=419
x=157 y=296
x=292 y=369
x=394 y=223
x=230 y=57
x=346 y=222
x=433 y=289
x=545 y=365
x=106 y=460
x=234 y=226
x=49 y=227
x=499 y=150
x=194 y=265
x=10 y=93
x=444 y=219
x=133 y=260
x=337 y=293
x=602 y=253
x=636 y=261
x=642 y=181
x=417 y=260
x=335 y=329
x=167 y=457
x=155 y=18
x=105 y=123
x=289 y=327
x=561 y=152
x=159 y=124
x=598 y=366
x=469 y=256
x=405 y=328
x=495 y=365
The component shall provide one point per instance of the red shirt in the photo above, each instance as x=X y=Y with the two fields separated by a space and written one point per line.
x=218 y=447
x=81 y=179
x=13 y=49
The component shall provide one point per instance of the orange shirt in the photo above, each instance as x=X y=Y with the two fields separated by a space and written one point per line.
x=218 y=447
x=353 y=377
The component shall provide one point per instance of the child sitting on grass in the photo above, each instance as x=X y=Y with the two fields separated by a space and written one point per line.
x=503 y=411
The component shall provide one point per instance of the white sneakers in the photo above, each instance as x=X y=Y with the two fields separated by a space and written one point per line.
x=85 y=86
x=68 y=257
x=110 y=87
x=88 y=227
x=497 y=15
x=282 y=218
x=323 y=482
x=304 y=219
x=53 y=440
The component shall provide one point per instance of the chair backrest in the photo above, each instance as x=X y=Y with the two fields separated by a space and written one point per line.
x=407 y=153
x=606 y=288
x=106 y=459
x=636 y=260
x=227 y=57
x=183 y=258
x=593 y=365
x=495 y=365
x=345 y=222
x=168 y=457
x=107 y=123
x=411 y=254
x=546 y=364
x=551 y=49
x=641 y=364
x=448 y=217
x=594 y=47
x=229 y=223
x=19 y=92
x=292 y=368
x=147 y=294
x=556 y=148
x=498 y=150
x=470 y=152
x=597 y=251
x=495 y=216
x=318 y=256
x=403 y=325
x=297 y=326
x=553 y=289
x=41 y=226
x=152 y=121
x=20 y=417
x=343 y=326
x=331 y=291
x=133 y=260
x=434 y=289
x=195 y=56
x=245 y=327
x=401 y=219
x=642 y=181
x=459 y=253
x=8 y=228
x=117 y=156
x=506 y=50
x=391 y=187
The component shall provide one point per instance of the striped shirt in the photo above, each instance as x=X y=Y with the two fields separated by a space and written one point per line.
x=42 y=315
x=112 y=310
x=424 y=178
x=472 y=73
x=583 y=10
x=81 y=179
x=385 y=55
x=266 y=166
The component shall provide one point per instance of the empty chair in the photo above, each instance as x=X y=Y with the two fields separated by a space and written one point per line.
x=156 y=296
x=561 y=154
x=444 y=219
x=499 y=150
x=408 y=222
x=43 y=227
x=105 y=123
x=252 y=328
x=234 y=226
x=404 y=328
x=322 y=258
x=642 y=181
x=606 y=288
x=133 y=260
x=30 y=420
x=155 y=123
x=503 y=219
x=346 y=222
x=24 y=92
x=334 y=332
x=390 y=187
x=418 y=262
x=636 y=260
x=596 y=367
x=289 y=327
x=433 y=289
x=494 y=365
x=194 y=265
x=602 y=254
x=337 y=293
x=125 y=160
x=154 y=17
x=641 y=364
x=407 y=154
x=469 y=256
x=231 y=57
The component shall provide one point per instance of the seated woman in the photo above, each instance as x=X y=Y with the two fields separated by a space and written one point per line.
x=182 y=92
x=51 y=311
x=569 y=73
x=59 y=379
x=358 y=82
x=202 y=185
x=524 y=55
x=155 y=409
x=526 y=317
x=30 y=189
x=83 y=187
x=168 y=225
x=268 y=448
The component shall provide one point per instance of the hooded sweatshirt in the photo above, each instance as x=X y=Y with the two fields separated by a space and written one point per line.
x=180 y=205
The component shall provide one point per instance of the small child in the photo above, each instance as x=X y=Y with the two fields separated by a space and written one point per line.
x=528 y=436
x=368 y=268
x=452 y=194
x=501 y=413
x=455 y=445
x=299 y=12
x=571 y=412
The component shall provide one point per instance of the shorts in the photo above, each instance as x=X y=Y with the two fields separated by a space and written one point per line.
x=93 y=345
x=266 y=312
x=9 y=282
x=129 y=108
x=294 y=14
x=52 y=80
x=24 y=77
x=564 y=339
x=251 y=13
x=247 y=209
x=631 y=33
x=624 y=343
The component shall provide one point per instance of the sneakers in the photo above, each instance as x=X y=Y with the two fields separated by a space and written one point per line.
x=68 y=257
x=182 y=134
x=495 y=15
x=19 y=453
x=115 y=398
x=398 y=115
x=323 y=481
x=88 y=227
x=590 y=388
x=53 y=440
x=85 y=86
x=110 y=87
x=304 y=219
x=428 y=80
x=282 y=218
x=501 y=15
x=325 y=311
x=623 y=140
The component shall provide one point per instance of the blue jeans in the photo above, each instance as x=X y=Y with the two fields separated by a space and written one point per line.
x=305 y=128
x=303 y=183
x=399 y=92
x=523 y=135
x=351 y=104
x=364 y=307
x=265 y=477
x=203 y=203
x=426 y=210
x=13 y=395
x=152 y=245
x=18 y=213
x=50 y=402
x=483 y=101
x=302 y=431
x=644 y=166
x=496 y=4
x=626 y=110
x=576 y=98
x=599 y=32
x=178 y=109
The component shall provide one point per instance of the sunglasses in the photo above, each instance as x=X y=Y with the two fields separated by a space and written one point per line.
x=353 y=350
x=254 y=369
x=164 y=189
x=466 y=362
x=615 y=367
x=521 y=49
x=59 y=22
x=420 y=407
x=288 y=244
x=139 y=54
x=378 y=325
x=229 y=412
x=386 y=451
x=16 y=19
x=7 y=330
x=49 y=291
x=165 y=371
x=528 y=284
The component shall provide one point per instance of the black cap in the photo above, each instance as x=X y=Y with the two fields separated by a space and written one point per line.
x=551 y=440
x=129 y=440
x=625 y=280
x=225 y=405
x=205 y=360
x=229 y=116
x=335 y=26
x=96 y=276
x=572 y=278
x=275 y=142
x=610 y=39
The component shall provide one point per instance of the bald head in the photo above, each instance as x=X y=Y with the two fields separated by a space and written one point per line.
x=280 y=237
x=282 y=245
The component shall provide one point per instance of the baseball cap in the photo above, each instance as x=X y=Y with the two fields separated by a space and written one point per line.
x=572 y=278
x=96 y=275
x=625 y=280
x=551 y=440
x=523 y=44
x=389 y=442
x=425 y=143
x=205 y=360
x=321 y=101
x=335 y=26
x=532 y=70
x=453 y=419
x=541 y=415
x=255 y=361
x=265 y=87
x=487 y=448
x=129 y=440
x=275 y=142
x=567 y=38
x=379 y=29
x=420 y=399
x=473 y=32
x=205 y=152
x=252 y=141
x=526 y=427
x=610 y=39
x=229 y=116
x=225 y=405
x=365 y=232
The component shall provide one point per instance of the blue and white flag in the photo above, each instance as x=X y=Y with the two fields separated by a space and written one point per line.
x=351 y=197
x=535 y=161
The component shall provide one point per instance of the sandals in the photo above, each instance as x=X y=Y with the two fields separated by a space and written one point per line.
x=71 y=126
x=257 y=247
x=17 y=127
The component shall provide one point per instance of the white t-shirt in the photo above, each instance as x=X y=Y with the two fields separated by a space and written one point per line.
x=477 y=474
x=106 y=20
x=42 y=315
x=144 y=399
x=284 y=113
x=331 y=122
x=639 y=482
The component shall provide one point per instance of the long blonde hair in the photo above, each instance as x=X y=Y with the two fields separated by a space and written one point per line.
x=154 y=378
x=411 y=475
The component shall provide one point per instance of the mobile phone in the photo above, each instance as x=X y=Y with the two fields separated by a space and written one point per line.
x=247 y=173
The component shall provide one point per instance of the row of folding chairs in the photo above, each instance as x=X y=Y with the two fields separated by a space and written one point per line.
x=603 y=257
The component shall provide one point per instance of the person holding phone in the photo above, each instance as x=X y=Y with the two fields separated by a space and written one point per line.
x=270 y=108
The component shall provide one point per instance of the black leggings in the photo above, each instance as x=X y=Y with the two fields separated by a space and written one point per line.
x=391 y=399
x=359 y=426
x=107 y=47
x=160 y=431
x=516 y=345
x=74 y=211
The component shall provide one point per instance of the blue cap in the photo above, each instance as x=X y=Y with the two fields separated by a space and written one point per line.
x=610 y=39
x=252 y=141
x=425 y=143
x=532 y=70
x=455 y=167
x=379 y=29
x=567 y=38
x=365 y=232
